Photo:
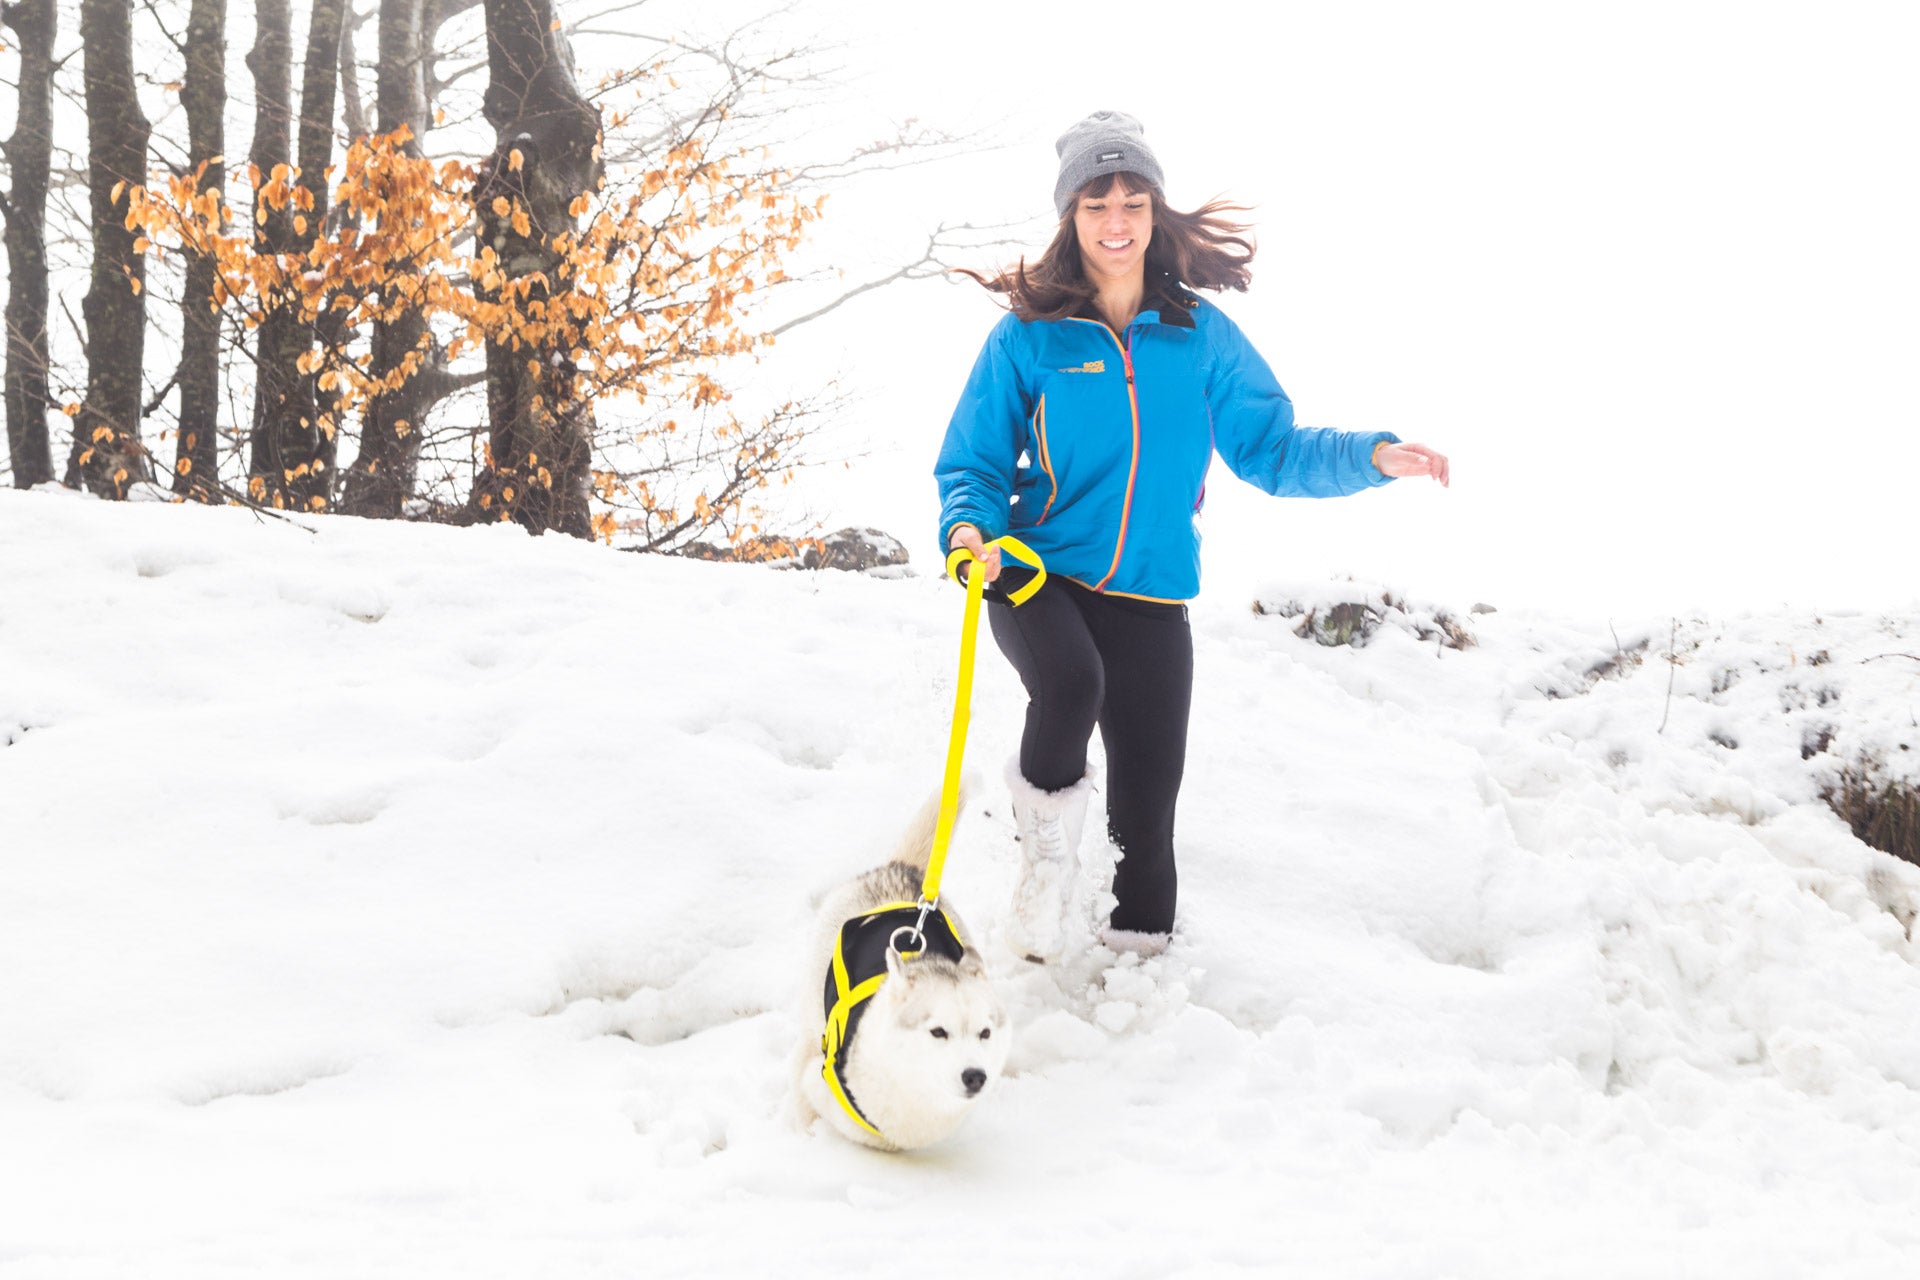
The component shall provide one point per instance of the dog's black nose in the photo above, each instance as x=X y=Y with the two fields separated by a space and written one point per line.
x=975 y=1079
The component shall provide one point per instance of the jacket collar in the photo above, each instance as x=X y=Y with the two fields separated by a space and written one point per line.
x=1171 y=301
x=1166 y=302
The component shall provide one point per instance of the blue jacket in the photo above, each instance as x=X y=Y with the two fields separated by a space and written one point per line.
x=1093 y=449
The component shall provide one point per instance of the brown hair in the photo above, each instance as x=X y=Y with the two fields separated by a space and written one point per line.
x=1201 y=250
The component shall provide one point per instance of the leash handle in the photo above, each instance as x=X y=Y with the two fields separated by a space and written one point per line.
x=963 y=701
x=960 y=555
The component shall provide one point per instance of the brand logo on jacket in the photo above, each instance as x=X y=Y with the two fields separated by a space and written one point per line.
x=1091 y=366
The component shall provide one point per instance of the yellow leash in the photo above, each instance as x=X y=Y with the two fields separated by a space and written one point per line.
x=849 y=994
x=963 y=701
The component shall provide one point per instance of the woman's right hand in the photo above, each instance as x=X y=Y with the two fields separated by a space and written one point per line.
x=967 y=536
x=1412 y=460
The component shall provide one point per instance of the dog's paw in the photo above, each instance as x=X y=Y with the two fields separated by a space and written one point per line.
x=802 y=1109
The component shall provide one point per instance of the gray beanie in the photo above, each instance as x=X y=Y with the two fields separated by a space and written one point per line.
x=1105 y=142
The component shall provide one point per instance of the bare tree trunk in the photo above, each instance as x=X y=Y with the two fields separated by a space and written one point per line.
x=29 y=156
x=271 y=62
x=350 y=105
x=319 y=76
x=400 y=87
x=196 y=465
x=293 y=440
x=285 y=438
x=107 y=450
x=320 y=73
x=381 y=478
x=546 y=154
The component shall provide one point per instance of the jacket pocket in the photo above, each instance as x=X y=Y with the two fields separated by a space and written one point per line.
x=1089 y=434
x=1176 y=440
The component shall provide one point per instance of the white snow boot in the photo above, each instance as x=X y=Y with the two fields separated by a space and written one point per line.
x=1129 y=942
x=1048 y=887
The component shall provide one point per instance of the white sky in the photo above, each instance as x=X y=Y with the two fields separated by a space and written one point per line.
x=1646 y=271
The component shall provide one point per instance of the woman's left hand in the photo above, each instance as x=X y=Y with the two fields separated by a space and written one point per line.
x=1411 y=460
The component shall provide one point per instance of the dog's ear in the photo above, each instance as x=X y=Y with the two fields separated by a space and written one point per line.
x=896 y=967
x=971 y=964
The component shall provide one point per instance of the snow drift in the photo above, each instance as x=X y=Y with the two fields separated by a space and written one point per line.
x=396 y=901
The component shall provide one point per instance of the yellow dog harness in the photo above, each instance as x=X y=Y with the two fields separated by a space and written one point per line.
x=858 y=972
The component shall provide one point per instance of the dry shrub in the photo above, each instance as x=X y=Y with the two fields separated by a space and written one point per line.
x=1354 y=622
x=1882 y=813
x=781 y=551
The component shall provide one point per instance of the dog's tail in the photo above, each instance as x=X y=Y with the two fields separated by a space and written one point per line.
x=916 y=842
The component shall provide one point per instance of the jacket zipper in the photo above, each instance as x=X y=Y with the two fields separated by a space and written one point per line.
x=1133 y=468
x=1046 y=459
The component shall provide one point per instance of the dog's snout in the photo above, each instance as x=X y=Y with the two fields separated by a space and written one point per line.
x=975 y=1079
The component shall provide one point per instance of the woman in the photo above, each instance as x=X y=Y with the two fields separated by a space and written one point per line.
x=1086 y=429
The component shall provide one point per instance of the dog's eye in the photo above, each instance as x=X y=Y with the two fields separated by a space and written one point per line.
x=986 y=1033
x=939 y=1033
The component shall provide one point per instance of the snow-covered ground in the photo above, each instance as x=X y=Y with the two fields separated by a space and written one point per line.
x=397 y=901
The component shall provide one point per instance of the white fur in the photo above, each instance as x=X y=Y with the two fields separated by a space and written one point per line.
x=910 y=1083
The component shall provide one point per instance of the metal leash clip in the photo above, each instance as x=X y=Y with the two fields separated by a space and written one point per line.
x=912 y=931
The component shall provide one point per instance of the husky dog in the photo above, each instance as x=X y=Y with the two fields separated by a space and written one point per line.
x=929 y=1044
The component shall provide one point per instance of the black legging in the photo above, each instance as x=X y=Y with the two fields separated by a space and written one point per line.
x=1127 y=666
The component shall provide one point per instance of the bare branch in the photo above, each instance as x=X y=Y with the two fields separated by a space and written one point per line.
x=439 y=13
x=437 y=82
x=932 y=262
x=153 y=405
x=153 y=11
x=437 y=382
x=79 y=333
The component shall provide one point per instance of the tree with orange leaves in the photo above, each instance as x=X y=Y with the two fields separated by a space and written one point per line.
x=641 y=304
x=611 y=303
x=528 y=196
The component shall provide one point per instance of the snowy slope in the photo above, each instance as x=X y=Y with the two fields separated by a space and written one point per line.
x=410 y=901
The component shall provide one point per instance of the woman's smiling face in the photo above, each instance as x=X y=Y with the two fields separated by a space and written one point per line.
x=1113 y=228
